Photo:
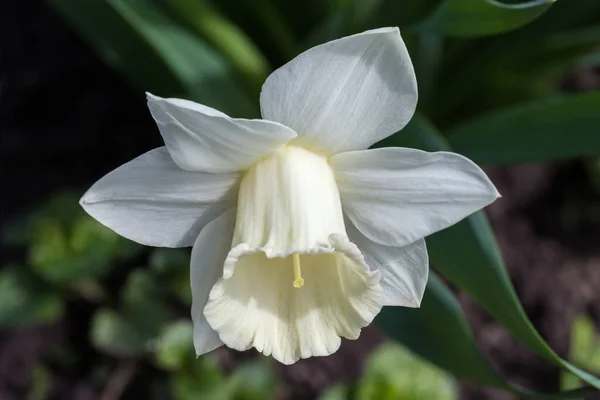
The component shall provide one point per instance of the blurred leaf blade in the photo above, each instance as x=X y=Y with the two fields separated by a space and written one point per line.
x=175 y=345
x=401 y=13
x=148 y=37
x=481 y=17
x=452 y=348
x=226 y=37
x=118 y=44
x=204 y=381
x=253 y=381
x=68 y=247
x=392 y=372
x=112 y=333
x=484 y=276
x=23 y=302
x=205 y=75
x=557 y=127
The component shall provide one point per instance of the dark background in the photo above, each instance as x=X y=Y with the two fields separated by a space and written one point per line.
x=66 y=119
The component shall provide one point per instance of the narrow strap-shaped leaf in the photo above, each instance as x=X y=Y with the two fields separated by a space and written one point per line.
x=482 y=17
x=118 y=45
x=552 y=128
x=206 y=75
x=226 y=37
x=438 y=332
x=467 y=255
x=139 y=38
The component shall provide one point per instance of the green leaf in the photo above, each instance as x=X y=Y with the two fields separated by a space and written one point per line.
x=401 y=13
x=77 y=252
x=226 y=37
x=252 y=381
x=133 y=329
x=584 y=350
x=584 y=340
x=194 y=69
x=350 y=17
x=552 y=128
x=174 y=347
x=23 y=302
x=556 y=51
x=204 y=381
x=114 y=334
x=394 y=373
x=467 y=255
x=41 y=381
x=119 y=45
x=337 y=392
x=482 y=17
x=62 y=208
x=67 y=246
x=173 y=265
x=204 y=73
x=143 y=303
x=168 y=261
x=501 y=71
x=566 y=15
x=452 y=348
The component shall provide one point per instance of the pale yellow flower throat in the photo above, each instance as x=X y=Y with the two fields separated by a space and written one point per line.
x=298 y=281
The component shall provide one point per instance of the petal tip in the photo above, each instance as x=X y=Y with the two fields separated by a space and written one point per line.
x=87 y=199
x=386 y=29
x=151 y=96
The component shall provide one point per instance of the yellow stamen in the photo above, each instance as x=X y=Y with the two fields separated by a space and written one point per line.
x=298 y=281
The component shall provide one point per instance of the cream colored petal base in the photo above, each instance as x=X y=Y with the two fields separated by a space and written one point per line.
x=255 y=304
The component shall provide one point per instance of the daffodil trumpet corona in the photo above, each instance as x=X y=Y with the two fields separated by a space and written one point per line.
x=299 y=233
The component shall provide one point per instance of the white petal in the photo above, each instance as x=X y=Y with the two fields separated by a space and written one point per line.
x=257 y=306
x=153 y=202
x=208 y=256
x=200 y=138
x=404 y=270
x=396 y=196
x=346 y=94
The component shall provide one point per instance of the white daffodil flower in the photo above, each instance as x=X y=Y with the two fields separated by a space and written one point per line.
x=300 y=235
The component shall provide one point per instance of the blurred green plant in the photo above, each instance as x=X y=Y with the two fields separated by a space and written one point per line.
x=131 y=330
x=25 y=302
x=489 y=72
x=70 y=254
x=392 y=372
x=584 y=350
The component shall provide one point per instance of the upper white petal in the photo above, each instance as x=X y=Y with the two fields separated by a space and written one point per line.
x=200 y=138
x=404 y=270
x=152 y=201
x=396 y=196
x=345 y=94
x=208 y=255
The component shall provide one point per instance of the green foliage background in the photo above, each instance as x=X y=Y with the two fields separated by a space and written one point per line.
x=489 y=76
